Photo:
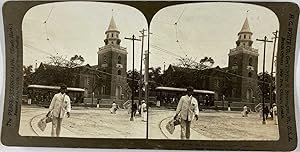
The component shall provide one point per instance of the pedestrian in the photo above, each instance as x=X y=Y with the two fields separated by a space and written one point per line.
x=275 y=114
x=114 y=108
x=134 y=109
x=271 y=112
x=229 y=108
x=60 y=107
x=245 y=111
x=266 y=112
x=186 y=109
x=144 y=111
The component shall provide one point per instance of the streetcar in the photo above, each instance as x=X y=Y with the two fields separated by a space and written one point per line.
x=169 y=96
x=42 y=94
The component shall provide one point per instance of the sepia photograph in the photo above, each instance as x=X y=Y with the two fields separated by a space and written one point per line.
x=213 y=72
x=79 y=66
x=150 y=75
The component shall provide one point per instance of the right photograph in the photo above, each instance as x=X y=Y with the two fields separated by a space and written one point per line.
x=212 y=73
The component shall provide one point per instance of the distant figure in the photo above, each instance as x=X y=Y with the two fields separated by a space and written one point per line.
x=229 y=108
x=144 y=111
x=140 y=108
x=134 y=109
x=271 y=112
x=275 y=113
x=266 y=112
x=59 y=107
x=187 y=108
x=245 y=111
x=113 y=108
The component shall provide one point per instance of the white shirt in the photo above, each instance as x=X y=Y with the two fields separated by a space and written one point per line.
x=60 y=105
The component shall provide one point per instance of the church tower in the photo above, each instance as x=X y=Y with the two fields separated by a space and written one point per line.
x=112 y=60
x=243 y=62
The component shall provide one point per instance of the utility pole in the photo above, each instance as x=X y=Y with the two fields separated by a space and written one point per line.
x=132 y=87
x=265 y=40
x=141 y=67
x=271 y=89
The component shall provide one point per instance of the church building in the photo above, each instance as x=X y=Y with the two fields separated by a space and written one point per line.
x=112 y=61
x=238 y=82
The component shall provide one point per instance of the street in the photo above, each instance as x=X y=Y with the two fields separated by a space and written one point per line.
x=100 y=123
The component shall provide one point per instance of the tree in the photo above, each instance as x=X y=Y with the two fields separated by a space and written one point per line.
x=136 y=81
x=268 y=87
x=27 y=77
x=62 y=61
x=155 y=78
x=192 y=63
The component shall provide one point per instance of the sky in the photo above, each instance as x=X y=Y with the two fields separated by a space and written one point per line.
x=209 y=29
x=78 y=28
x=203 y=29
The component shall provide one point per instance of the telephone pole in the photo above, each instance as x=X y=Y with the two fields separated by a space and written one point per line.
x=265 y=40
x=132 y=86
x=271 y=87
x=141 y=67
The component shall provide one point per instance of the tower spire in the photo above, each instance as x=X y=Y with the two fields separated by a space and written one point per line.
x=245 y=27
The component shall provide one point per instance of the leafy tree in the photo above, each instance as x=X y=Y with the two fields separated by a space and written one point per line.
x=268 y=87
x=136 y=81
x=27 y=77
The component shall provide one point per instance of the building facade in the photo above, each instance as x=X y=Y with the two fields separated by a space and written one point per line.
x=112 y=61
x=243 y=62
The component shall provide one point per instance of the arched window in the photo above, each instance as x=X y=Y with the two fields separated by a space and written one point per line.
x=250 y=61
x=235 y=60
x=250 y=74
x=104 y=59
x=244 y=36
x=240 y=36
x=103 y=89
x=249 y=94
x=119 y=60
x=112 y=34
x=119 y=72
x=249 y=37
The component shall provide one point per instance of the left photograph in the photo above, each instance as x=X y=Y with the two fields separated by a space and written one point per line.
x=82 y=71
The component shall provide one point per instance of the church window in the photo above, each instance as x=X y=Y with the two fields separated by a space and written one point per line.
x=112 y=42
x=250 y=74
x=112 y=35
x=249 y=37
x=235 y=60
x=240 y=36
x=250 y=61
x=117 y=35
x=119 y=60
x=104 y=59
x=244 y=36
x=103 y=89
x=104 y=70
x=119 y=72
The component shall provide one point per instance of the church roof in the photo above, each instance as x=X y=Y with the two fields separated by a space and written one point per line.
x=246 y=27
x=112 y=25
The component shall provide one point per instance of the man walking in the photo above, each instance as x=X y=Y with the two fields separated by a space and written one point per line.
x=187 y=108
x=60 y=107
